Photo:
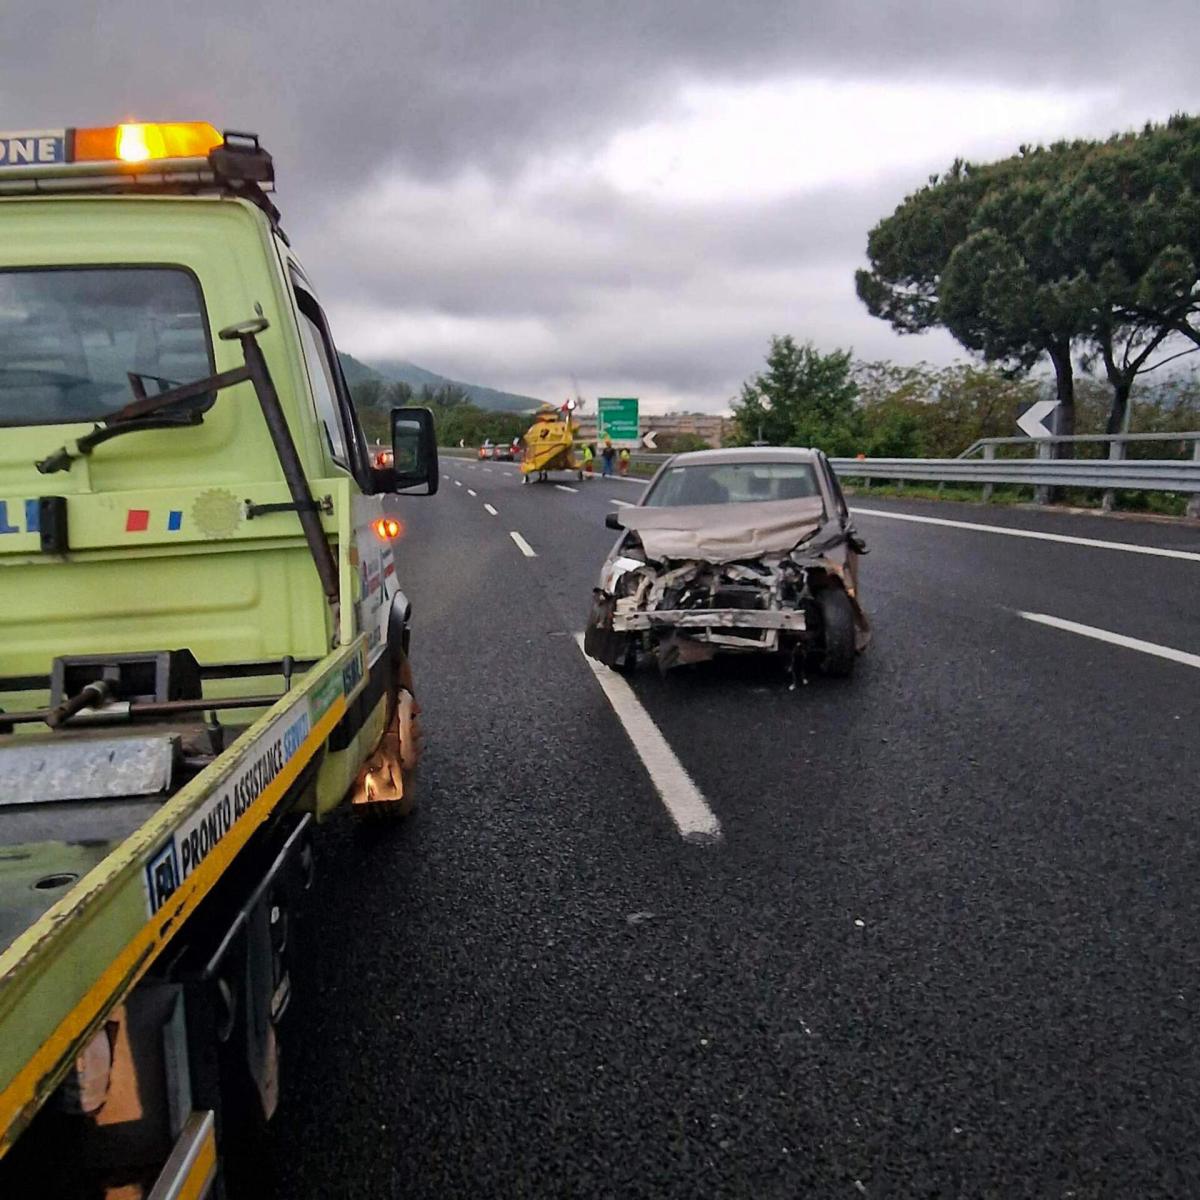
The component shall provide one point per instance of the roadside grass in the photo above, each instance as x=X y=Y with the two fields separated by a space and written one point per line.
x=1001 y=495
x=1165 y=504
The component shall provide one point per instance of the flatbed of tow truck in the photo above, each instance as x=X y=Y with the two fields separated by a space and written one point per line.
x=108 y=881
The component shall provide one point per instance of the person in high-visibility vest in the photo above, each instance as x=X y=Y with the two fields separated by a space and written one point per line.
x=623 y=460
x=589 y=459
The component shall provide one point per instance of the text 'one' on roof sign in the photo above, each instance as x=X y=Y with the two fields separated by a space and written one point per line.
x=617 y=418
x=45 y=148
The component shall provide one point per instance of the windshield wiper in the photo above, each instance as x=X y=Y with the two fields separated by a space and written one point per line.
x=143 y=412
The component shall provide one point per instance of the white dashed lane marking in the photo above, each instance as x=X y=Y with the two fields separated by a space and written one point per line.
x=522 y=545
x=1115 y=639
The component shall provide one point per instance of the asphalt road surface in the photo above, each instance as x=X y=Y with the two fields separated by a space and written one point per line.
x=946 y=943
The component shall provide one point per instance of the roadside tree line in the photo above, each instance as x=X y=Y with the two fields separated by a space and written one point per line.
x=806 y=397
x=1078 y=255
x=457 y=419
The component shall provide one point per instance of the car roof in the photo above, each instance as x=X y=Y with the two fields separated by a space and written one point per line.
x=746 y=454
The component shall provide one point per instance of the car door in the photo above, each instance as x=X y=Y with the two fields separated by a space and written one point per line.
x=841 y=514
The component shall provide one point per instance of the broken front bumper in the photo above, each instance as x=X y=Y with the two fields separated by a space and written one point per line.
x=752 y=629
x=696 y=621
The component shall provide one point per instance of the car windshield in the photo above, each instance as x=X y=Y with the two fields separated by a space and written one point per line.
x=733 y=483
x=70 y=337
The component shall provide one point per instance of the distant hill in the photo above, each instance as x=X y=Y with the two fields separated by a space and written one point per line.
x=356 y=372
x=399 y=371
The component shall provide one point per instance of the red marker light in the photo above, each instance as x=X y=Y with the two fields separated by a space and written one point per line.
x=387 y=528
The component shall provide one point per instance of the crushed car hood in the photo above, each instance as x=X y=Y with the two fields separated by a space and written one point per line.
x=720 y=533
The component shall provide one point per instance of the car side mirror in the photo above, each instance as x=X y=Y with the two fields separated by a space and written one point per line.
x=613 y=521
x=414 y=450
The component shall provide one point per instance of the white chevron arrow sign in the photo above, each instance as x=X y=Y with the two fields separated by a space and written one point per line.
x=1031 y=421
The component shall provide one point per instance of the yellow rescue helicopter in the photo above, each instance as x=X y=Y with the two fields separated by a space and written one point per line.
x=550 y=444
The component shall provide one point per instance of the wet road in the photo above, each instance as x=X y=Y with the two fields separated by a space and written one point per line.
x=946 y=944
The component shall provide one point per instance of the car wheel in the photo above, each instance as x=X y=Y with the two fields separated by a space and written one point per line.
x=627 y=662
x=619 y=651
x=834 y=652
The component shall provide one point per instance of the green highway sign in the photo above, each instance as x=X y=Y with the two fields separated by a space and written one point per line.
x=617 y=418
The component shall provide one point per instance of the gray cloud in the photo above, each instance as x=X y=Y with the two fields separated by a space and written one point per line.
x=380 y=114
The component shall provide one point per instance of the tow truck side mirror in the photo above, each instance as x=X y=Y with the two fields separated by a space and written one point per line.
x=613 y=521
x=414 y=450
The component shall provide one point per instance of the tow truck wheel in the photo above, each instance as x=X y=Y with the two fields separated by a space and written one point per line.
x=834 y=652
x=386 y=786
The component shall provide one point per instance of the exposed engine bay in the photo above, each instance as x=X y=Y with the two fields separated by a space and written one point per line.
x=685 y=611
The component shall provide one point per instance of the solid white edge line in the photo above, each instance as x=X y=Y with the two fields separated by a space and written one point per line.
x=1115 y=639
x=681 y=797
x=1009 y=531
x=471 y=492
x=623 y=503
x=562 y=487
x=522 y=545
x=491 y=510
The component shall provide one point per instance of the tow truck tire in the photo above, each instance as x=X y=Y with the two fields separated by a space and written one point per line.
x=835 y=653
x=396 y=759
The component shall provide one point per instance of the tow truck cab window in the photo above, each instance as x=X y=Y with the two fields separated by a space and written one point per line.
x=71 y=336
x=335 y=410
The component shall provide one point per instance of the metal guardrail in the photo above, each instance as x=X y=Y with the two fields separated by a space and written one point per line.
x=1136 y=475
x=1116 y=442
x=1113 y=474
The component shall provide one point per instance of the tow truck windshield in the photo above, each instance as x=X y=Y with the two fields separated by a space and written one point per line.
x=733 y=483
x=71 y=337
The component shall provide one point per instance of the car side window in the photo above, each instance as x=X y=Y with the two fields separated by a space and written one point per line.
x=835 y=490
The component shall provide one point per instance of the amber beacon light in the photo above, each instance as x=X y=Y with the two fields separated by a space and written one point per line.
x=135 y=143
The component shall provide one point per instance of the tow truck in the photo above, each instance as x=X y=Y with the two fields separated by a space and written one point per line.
x=203 y=647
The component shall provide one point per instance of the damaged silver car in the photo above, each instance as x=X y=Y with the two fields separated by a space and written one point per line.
x=733 y=551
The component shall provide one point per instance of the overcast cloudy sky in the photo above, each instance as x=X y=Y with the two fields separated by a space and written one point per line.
x=636 y=194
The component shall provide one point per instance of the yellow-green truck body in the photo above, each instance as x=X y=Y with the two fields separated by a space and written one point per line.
x=168 y=539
